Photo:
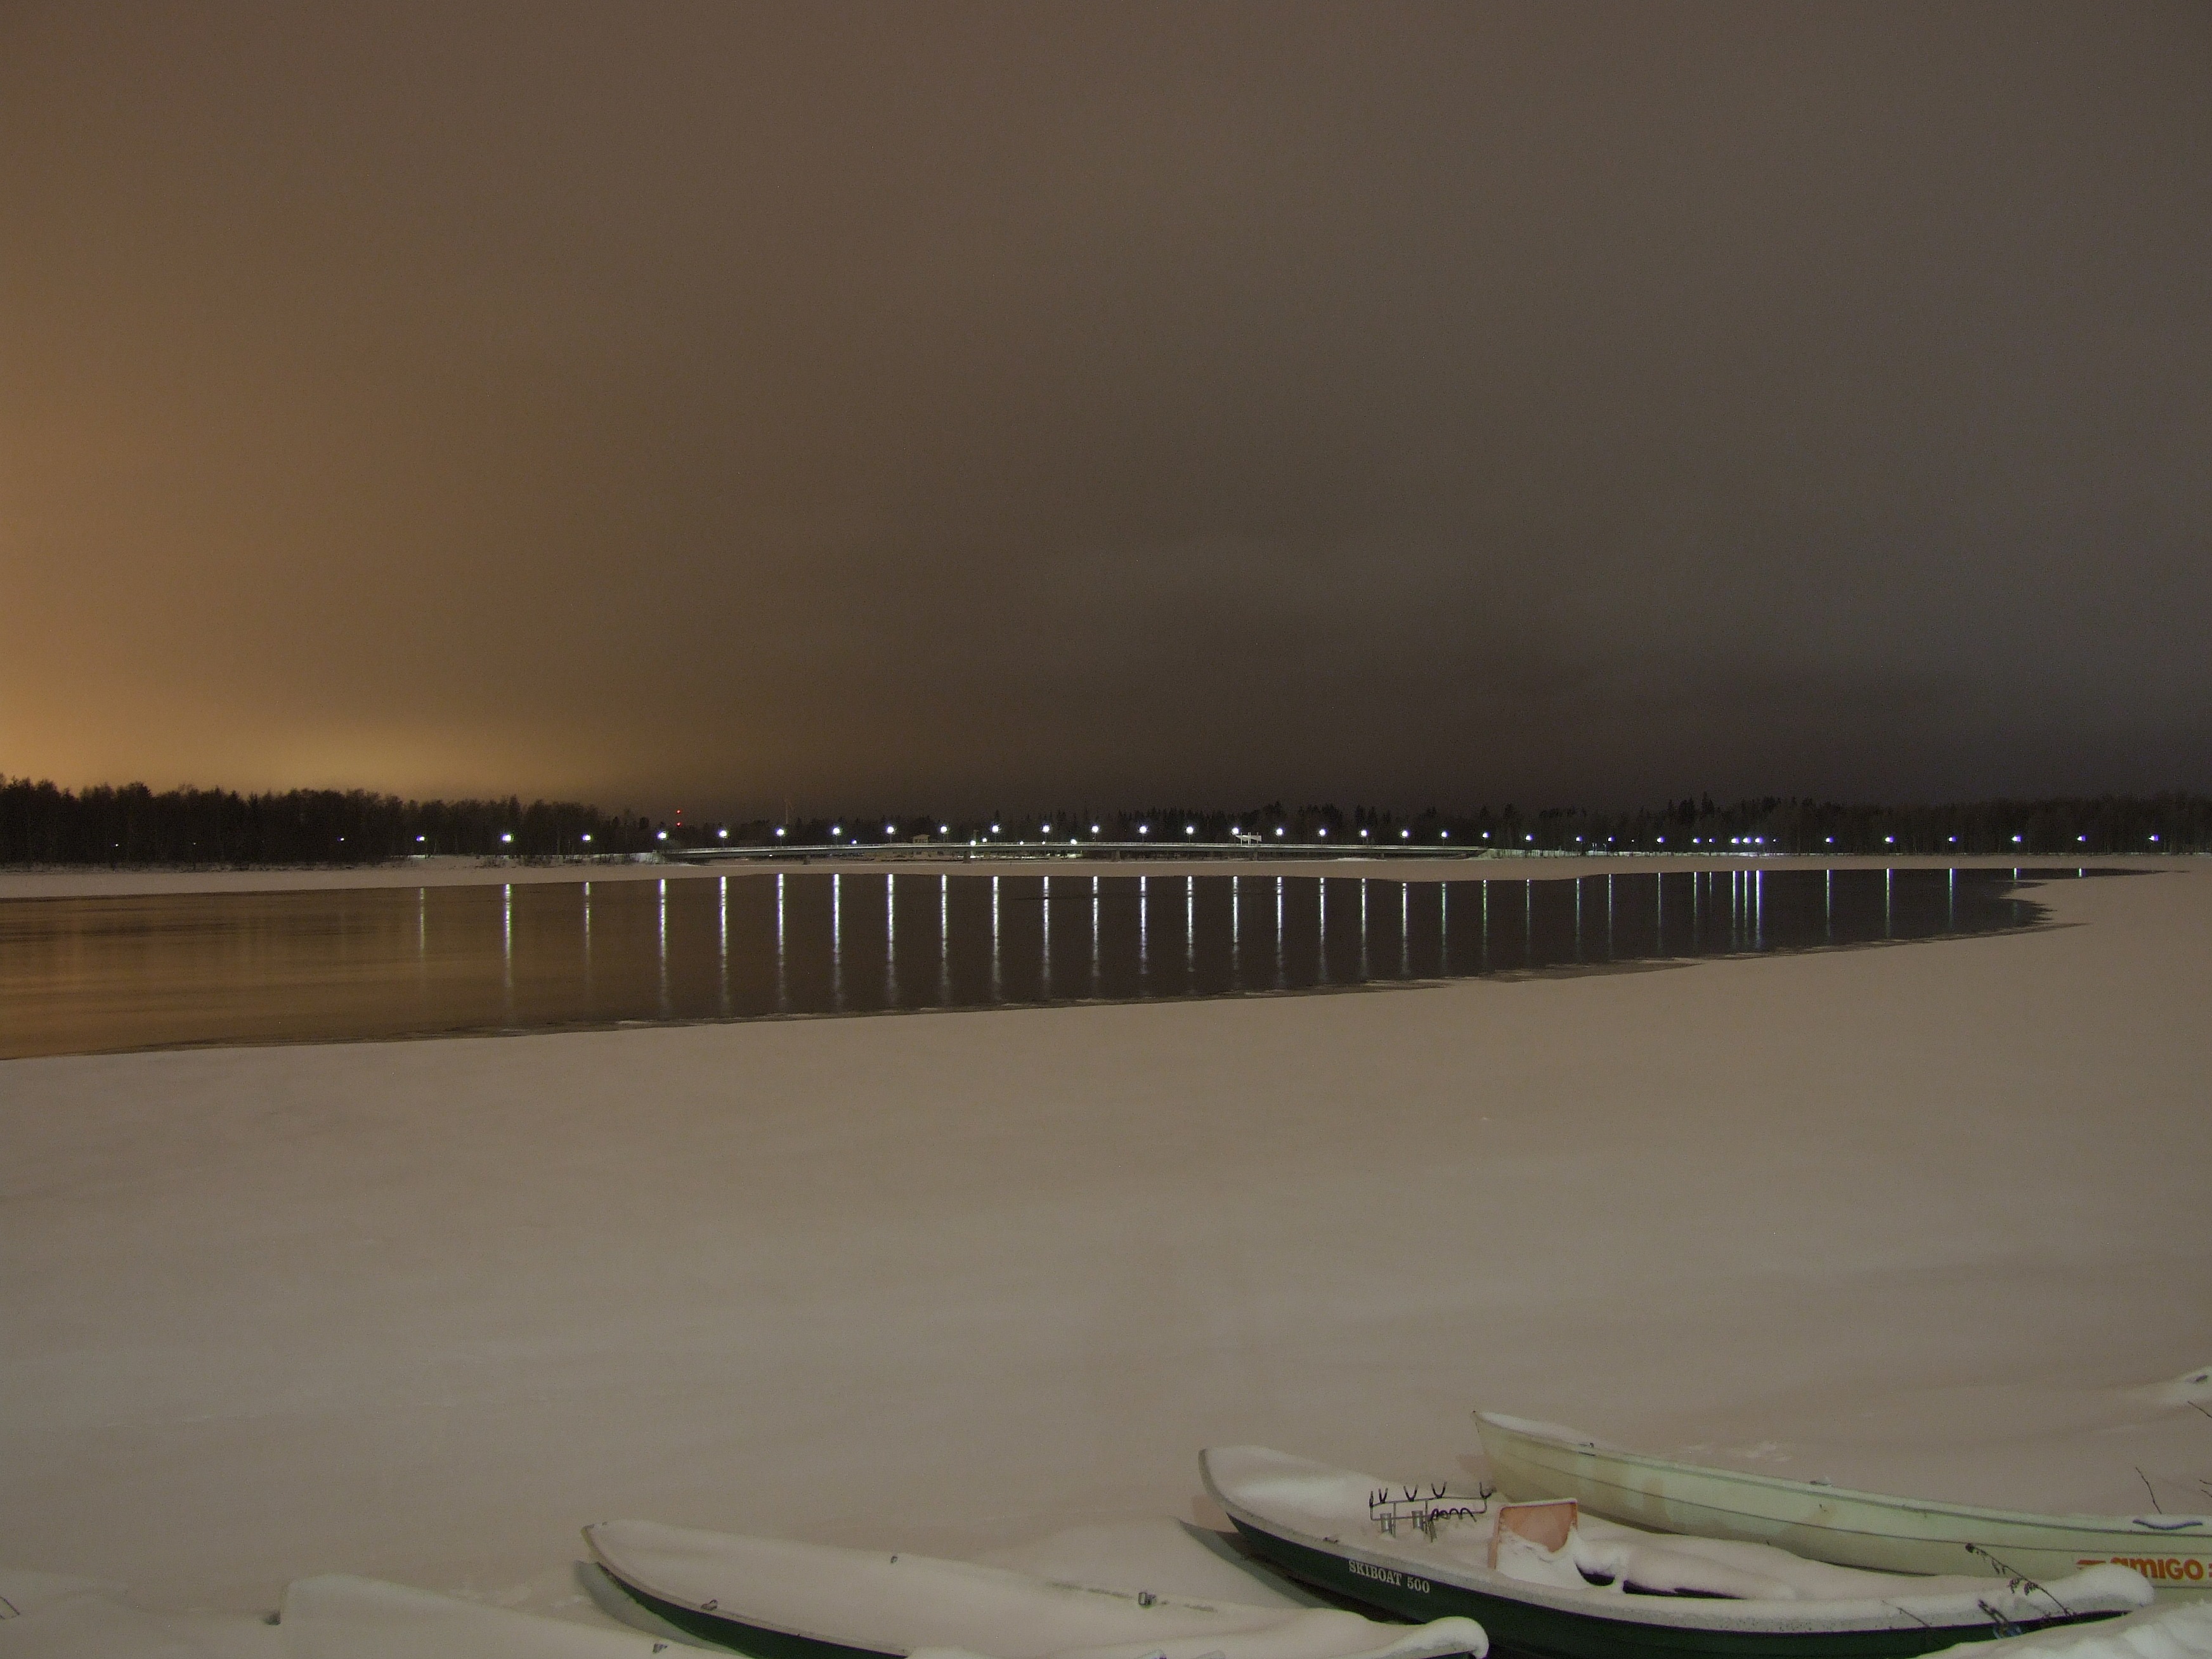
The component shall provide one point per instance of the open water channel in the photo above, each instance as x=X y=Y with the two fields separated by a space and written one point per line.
x=88 y=975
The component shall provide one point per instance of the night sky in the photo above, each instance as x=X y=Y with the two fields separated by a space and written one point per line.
x=950 y=407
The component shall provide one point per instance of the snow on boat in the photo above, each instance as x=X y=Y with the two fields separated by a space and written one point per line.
x=777 y=1599
x=1833 y=1523
x=337 y=1616
x=1545 y=1580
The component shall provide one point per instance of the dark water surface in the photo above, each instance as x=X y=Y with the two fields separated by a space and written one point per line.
x=83 y=975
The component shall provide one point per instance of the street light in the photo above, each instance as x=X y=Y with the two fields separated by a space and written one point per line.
x=723 y=834
x=507 y=838
x=1190 y=828
x=779 y=829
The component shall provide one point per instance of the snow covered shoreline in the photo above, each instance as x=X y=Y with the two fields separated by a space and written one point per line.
x=1921 y=1220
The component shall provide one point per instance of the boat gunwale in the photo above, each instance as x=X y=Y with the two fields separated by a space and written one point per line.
x=2114 y=1526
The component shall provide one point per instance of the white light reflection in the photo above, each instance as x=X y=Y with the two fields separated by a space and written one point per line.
x=725 y=946
x=506 y=944
x=1044 y=951
x=944 y=940
x=891 y=940
x=1189 y=931
x=1483 y=953
x=837 y=943
x=1321 y=952
x=1405 y=929
x=995 y=978
x=1279 y=932
x=663 y=885
x=1094 y=930
x=1144 y=933
x=783 y=976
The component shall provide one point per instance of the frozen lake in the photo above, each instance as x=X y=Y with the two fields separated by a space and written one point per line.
x=89 y=976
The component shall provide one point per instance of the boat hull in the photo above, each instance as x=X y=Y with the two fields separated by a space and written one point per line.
x=757 y=1641
x=1851 y=1529
x=1523 y=1628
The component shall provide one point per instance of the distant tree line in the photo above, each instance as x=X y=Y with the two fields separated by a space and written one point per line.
x=40 y=823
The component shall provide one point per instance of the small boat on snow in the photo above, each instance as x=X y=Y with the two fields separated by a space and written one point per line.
x=1545 y=1580
x=776 y=1599
x=1834 y=1524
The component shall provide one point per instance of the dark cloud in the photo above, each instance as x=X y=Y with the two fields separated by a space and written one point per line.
x=968 y=405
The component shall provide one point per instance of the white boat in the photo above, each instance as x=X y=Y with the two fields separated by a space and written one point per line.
x=777 y=1599
x=1529 y=1459
x=1547 y=1581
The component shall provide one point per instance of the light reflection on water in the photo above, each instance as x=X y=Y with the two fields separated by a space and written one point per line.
x=91 y=974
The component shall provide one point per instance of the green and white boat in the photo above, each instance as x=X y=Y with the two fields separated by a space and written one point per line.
x=1599 y=1591
x=773 y=1598
x=1529 y=1459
